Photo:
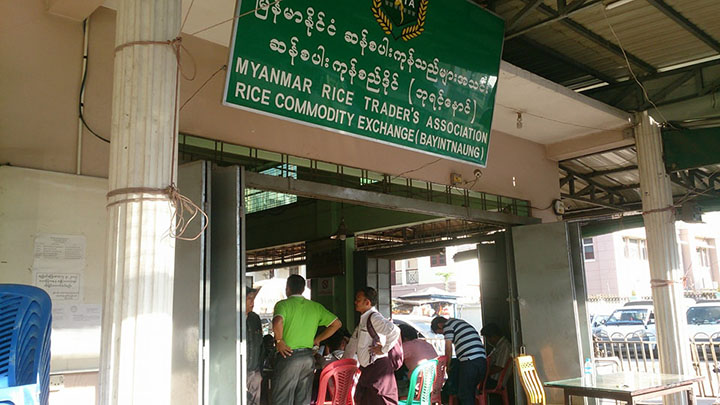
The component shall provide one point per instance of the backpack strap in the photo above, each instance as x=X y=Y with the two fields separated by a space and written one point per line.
x=371 y=329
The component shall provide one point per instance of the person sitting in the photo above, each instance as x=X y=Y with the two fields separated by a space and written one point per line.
x=415 y=351
x=334 y=348
x=500 y=354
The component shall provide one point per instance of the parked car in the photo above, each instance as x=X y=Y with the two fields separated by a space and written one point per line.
x=422 y=325
x=626 y=321
x=634 y=322
x=597 y=321
x=703 y=320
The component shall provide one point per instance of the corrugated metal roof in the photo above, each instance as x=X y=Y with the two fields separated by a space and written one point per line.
x=646 y=32
x=581 y=50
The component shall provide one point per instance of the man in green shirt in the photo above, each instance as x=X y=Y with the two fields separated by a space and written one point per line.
x=295 y=323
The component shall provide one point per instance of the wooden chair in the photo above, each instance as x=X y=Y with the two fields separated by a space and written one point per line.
x=530 y=380
x=500 y=388
x=343 y=374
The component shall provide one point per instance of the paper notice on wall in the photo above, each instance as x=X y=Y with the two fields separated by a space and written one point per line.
x=59 y=252
x=76 y=316
x=61 y=286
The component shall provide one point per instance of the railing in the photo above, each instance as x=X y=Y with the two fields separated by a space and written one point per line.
x=638 y=352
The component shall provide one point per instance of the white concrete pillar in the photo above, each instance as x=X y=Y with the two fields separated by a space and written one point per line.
x=137 y=310
x=665 y=272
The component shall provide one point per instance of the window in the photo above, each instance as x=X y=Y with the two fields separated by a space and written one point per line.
x=412 y=276
x=258 y=200
x=588 y=249
x=635 y=248
x=627 y=317
x=703 y=256
x=396 y=275
x=438 y=260
x=703 y=315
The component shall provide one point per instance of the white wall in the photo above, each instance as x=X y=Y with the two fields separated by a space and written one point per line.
x=35 y=203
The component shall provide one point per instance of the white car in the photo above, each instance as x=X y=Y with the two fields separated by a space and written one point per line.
x=627 y=321
x=635 y=322
x=703 y=321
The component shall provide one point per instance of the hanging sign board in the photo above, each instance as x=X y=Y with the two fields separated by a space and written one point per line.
x=419 y=74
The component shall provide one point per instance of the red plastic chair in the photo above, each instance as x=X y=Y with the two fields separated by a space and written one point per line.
x=436 y=396
x=344 y=375
x=500 y=389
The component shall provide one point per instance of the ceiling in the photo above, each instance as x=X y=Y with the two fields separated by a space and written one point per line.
x=600 y=59
x=672 y=46
x=598 y=49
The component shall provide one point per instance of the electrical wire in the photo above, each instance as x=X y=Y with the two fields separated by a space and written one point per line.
x=223 y=67
x=632 y=72
x=416 y=169
x=235 y=18
x=186 y=16
x=81 y=106
x=554 y=120
x=544 y=209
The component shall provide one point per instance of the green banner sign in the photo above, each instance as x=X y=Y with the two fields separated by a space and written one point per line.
x=419 y=74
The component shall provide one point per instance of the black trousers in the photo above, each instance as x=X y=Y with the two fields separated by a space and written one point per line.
x=463 y=378
x=293 y=377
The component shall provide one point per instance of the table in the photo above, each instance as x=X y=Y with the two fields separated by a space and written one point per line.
x=627 y=386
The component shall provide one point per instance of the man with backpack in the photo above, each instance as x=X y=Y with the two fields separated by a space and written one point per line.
x=377 y=346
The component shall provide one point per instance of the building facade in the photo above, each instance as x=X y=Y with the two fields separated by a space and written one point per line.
x=616 y=264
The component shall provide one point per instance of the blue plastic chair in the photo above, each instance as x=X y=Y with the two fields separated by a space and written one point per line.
x=425 y=371
x=25 y=324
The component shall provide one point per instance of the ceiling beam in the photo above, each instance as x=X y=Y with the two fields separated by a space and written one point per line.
x=520 y=15
x=599 y=173
x=588 y=180
x=639 y=106
x=631 y=186
x=664 y=92
x=593 y=202
x=653 y=76
x=580 y=29
x=554 y=17
x=329 y=192
x=562 y=6
x=575 y=4
x=686 y=24
x=609 y=46
x=566 y=59
x=687 y=181
x=660 y=95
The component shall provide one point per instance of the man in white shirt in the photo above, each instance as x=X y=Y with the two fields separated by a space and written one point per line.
x=376 y=385
x=500 y=355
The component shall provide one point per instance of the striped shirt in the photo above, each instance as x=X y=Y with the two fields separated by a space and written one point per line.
x=466 y=339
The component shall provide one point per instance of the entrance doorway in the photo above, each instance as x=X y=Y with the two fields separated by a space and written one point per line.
x=269 y=222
